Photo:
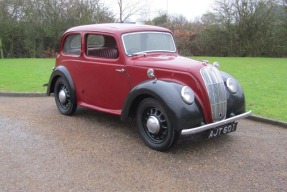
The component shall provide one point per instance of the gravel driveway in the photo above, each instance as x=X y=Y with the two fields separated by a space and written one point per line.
x=41 y=150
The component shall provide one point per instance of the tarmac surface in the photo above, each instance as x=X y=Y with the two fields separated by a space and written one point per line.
x=42 y=150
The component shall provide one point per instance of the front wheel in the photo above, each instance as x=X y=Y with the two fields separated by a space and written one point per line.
x=64 y=97
x=154 y=126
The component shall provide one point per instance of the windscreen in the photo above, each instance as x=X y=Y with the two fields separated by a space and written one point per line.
x=135 y=43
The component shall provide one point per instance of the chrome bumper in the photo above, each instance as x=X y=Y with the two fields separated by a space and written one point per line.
x=216 y=124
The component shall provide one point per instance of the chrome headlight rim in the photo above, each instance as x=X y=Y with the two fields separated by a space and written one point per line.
x=187 y=95
x=231 y=85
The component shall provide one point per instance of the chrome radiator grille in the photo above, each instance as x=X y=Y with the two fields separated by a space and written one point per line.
x=216 y=92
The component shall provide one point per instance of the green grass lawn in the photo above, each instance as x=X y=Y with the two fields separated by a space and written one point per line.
x=263 y=80
x=25 y=75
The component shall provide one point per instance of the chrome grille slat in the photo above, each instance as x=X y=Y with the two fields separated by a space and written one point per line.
x=216 y=92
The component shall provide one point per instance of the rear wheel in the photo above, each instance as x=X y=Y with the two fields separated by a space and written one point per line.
x=64 y=97
x=154 y=125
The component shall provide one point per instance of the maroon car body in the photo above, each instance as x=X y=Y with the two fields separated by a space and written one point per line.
x=135 y=71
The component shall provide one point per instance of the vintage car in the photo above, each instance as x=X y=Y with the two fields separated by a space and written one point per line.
x=135 y=71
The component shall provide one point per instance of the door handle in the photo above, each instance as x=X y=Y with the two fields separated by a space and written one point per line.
x=120 y=70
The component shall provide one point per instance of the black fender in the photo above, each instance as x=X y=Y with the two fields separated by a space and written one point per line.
x=61 y=71
x=235 y=102
x=180 y=114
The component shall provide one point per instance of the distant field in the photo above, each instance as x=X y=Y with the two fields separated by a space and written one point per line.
x=263 y=80
x=25 y=75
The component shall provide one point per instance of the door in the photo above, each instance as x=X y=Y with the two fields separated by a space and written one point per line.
x=104 y=82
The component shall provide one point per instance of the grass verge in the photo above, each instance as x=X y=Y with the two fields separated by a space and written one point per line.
x=263 y=80
x=25 y=75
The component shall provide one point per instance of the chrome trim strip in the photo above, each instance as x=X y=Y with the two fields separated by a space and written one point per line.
x=216 y=124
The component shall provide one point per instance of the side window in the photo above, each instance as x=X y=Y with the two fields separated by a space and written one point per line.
x=95 y=41
x=72 y=45
x=101 y=46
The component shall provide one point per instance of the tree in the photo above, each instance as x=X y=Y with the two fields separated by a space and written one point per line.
x=161 y=20
x=181 y=29
x=32 y=28
x=128 y=8
x=241 y=28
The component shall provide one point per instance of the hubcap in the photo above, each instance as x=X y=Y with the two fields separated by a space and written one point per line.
x=62 y=96
x=153 y=125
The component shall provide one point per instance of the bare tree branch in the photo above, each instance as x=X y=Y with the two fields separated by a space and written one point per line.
x=128 y=8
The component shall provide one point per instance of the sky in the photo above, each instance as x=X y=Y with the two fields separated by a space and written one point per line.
x=191 y=9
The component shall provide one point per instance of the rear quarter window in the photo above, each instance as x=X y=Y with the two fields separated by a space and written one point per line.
x=72 y=45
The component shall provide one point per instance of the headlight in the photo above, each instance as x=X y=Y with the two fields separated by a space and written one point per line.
x=231 y=85
x=187 y=95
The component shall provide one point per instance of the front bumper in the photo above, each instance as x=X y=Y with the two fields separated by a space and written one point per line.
x=216 y=124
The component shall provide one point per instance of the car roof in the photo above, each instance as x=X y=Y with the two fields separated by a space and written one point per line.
x=116 y=28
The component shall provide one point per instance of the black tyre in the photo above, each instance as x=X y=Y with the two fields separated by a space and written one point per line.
x=154 y=126
x=64 y=97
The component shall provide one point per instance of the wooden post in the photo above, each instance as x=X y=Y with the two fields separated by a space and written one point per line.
x=1 y=49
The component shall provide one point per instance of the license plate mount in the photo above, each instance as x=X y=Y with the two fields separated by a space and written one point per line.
x=221 y=130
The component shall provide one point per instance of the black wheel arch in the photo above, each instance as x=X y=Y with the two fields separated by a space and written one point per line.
x=60 y=71
x=181 y=115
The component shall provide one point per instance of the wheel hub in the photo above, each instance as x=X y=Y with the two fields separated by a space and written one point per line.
x=62 y=96
x=153 y=125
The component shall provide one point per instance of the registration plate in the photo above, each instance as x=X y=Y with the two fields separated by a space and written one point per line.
x=228 y=128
